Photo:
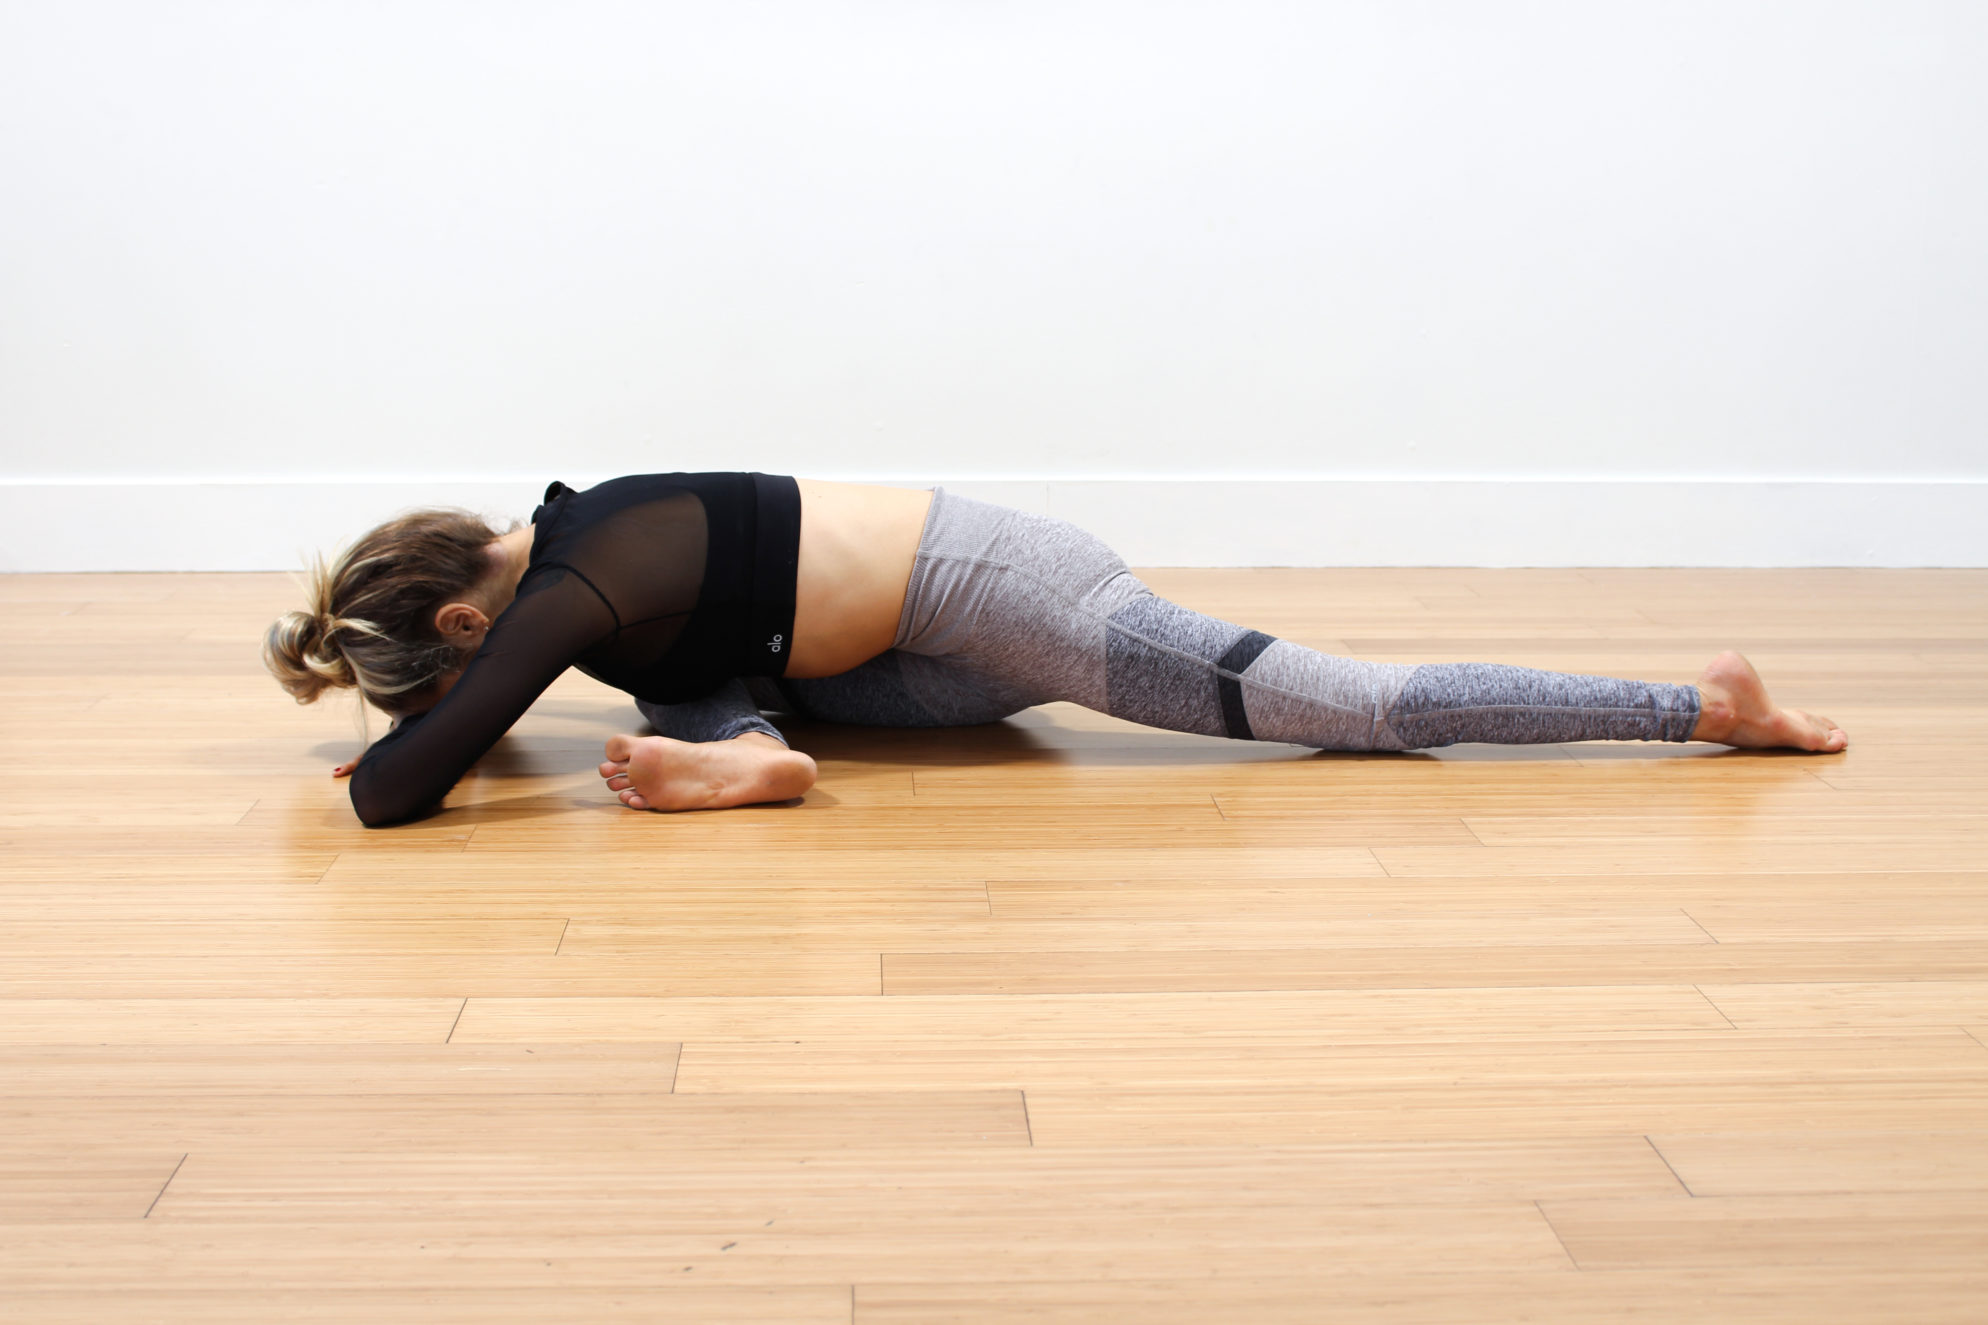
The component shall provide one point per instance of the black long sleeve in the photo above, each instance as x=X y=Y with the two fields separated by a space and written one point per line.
x=664 y=585
x=555 y=618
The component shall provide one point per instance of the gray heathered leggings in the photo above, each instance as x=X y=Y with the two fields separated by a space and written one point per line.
x=1006 y=610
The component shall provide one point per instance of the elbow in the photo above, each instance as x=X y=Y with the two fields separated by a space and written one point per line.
x=381 y=811
x=374 y=815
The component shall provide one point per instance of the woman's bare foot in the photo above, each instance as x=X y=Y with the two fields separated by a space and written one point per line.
x=1735 y=710
x=657 y=773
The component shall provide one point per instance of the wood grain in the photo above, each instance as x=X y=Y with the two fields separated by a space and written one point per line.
x=1057 y=1019
x=1785 y=1163
x=1932 y=1229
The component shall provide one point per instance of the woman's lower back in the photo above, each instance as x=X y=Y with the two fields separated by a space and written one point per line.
x=858 y=542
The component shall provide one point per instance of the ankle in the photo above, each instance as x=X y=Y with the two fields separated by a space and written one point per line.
x=1717 y=717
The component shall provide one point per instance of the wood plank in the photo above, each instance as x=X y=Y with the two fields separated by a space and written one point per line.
x=1681 y=857
x=646 y=1131
x=821 y=827
x=720 y=1188
x=995 y=1019
x=254 y=835
x=1789 y=1163
x=133 y=587
x=183 y=1072
x=665 y=866
x=252 y=1304
x=350 y=1020
x=1151 y=968
x=1906 y=918
x=1545 y=789
x=75 y=810
x=77 y=875
x=1319 y=1112
x=1050 y=895
x=193 y=940
x=1345 y=926
x=1350 y=1295
x=1880 y=827
x=668 y=970
x=1095 y=1090
x=650 y=1245
x=85 y=1183
x=680 y=904
x=708 y=896
x=1868 y=1004
x=1935 y=1230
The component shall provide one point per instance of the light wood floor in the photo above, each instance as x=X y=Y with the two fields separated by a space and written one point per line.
x=1056 y=1020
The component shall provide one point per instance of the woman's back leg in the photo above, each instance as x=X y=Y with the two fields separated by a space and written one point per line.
x=1041 y=606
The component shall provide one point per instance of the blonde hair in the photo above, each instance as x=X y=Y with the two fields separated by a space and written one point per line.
x=370 y=622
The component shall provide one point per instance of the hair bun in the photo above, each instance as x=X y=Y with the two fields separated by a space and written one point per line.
x=305 y=659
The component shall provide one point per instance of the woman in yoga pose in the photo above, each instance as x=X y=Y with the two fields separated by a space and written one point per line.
x=708 y=596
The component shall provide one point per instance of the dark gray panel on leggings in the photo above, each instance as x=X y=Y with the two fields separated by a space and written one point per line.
x=1146 y=678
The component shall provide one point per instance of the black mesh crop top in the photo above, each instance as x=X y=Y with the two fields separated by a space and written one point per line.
x=663 y=585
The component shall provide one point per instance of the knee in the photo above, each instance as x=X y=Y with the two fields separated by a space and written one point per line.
x=1321 y=700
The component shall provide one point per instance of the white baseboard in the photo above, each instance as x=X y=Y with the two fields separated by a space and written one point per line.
x=252 y=525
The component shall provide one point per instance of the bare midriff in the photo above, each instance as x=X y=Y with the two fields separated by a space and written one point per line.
x=858 y=543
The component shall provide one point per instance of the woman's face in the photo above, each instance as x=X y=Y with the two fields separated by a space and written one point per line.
x=432 y=696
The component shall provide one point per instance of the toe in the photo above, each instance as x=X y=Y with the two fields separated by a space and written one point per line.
x=1821 y=732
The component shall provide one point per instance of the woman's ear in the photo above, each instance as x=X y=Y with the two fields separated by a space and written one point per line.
x=460 y=622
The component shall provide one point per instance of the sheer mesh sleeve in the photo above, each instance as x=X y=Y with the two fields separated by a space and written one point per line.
x=555 y=618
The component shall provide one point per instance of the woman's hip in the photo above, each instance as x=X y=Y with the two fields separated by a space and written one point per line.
x=1024 y=597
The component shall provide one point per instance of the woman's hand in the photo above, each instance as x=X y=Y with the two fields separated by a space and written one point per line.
x=344 y=770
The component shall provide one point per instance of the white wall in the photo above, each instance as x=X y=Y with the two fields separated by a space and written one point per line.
x=1467 y=276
